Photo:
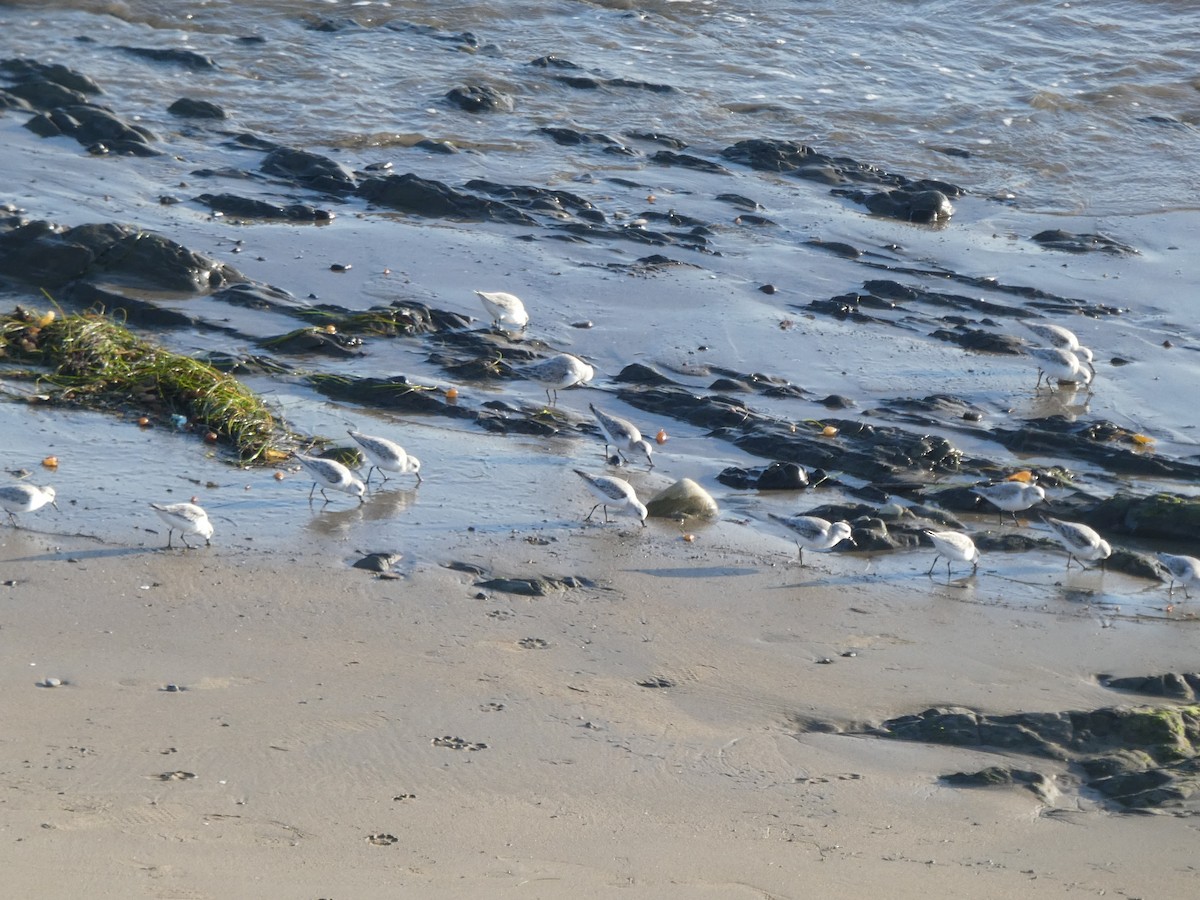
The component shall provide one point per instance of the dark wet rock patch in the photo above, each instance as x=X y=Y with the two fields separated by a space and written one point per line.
x=1070 y=242
x=250 y=208
x=1138 y=758
x=1100 y=443
x=97 y=128
x=189 y=108
x=310 y=170
x=480 y=98
x=189 y=59
x=49 y=255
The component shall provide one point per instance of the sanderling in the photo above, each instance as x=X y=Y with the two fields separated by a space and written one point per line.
x=1063 y=339
x=329 y=473
x=557 y=372
x=1184 y=569
x=621 y=433
x=1059 y=365
x=186 y=518
x=953 y=546
x=613 y=492
x=23 y=498
x=813 y=533
x=507 y=310
x=385 y=454
x=1080 y=541
x=1010 y=496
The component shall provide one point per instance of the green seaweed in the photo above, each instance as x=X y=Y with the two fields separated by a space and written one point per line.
x=96 y=361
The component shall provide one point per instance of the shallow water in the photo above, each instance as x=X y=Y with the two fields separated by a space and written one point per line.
x=1073 y=118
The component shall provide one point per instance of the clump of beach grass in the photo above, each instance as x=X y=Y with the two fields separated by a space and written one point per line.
x=96 y=361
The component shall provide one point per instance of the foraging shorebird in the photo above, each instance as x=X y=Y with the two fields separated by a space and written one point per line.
x=1010 y=496
x=558 y=372
x=1080 y=541
x=813 y=533
x=1062 y=339
x=329 y=473
x=23 y=498
x=621 y=433
x=507 y=310
x=386 y=455
x=1184 y=569
x=186 y=518
x=1059 y=365
x=613 y=492
x=953 y=546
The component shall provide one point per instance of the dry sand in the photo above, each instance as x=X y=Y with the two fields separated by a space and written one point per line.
x=313 y=696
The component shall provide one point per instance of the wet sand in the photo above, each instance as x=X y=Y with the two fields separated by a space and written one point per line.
x=314 y=699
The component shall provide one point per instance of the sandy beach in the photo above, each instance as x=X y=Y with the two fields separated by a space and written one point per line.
x=335 y=734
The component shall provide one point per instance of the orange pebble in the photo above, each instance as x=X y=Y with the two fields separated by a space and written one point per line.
x=661 y=437
x=211 y=437
x=278 y=476
x=50 y=462
x=1025 y=477
x=451 y=393
x=829 y=431
x=689 y=538
x=144 y=422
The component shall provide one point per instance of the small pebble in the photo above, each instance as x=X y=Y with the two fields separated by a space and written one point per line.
x=768 y=288
x=340 y=267
x=50 y=682
x=584 y=324
x=825 y=661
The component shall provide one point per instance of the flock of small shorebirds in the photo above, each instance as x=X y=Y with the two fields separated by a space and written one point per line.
x=1064 y=361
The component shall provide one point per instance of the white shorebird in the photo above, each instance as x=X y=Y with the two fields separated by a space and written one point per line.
x=507 y=310
x=1059 y=365
x=23 y=498
x=613 y=492
x=813 y=533
x=1063 y=339
x=186 y=518
x=329 y=473
x=386 y=455
x=1010 y=496
x=954 y=546
x=558 y=372
x=1081 y=542
x=621 y=433
x=1184 y=569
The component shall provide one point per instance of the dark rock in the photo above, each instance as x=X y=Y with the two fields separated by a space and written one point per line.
x=1168 y=516
x=50 y=256
x=42 y=94
x=744 y=203
x=636 y=373
x=981 y=341
x=378 y=562
x=553 y=62
x=782 y=476
x=1004 y=776
x=1184 y=687
x=569 y=137
x=477 y=98
x=1101 y=443
x=185 y=107
x=189 y=59
x=923 y=206
x=1057 y=239
x=309 y=170
x=315 y=340
x=687 y=161
x=244 y=207
x=419 y=196
x=837 y=248
x=655 y=138
x=91 y=125
x=20 y=70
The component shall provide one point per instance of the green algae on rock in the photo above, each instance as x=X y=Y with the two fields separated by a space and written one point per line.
x=95 y=361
